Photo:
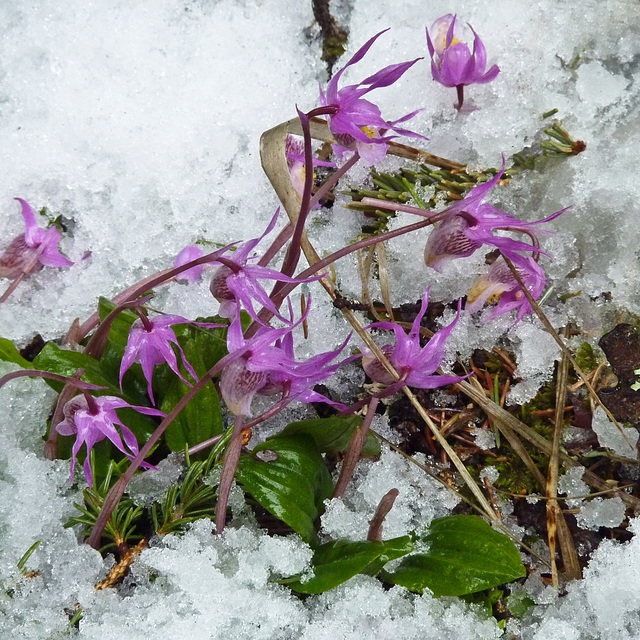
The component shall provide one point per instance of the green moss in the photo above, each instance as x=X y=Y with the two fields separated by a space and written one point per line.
x=586 y=357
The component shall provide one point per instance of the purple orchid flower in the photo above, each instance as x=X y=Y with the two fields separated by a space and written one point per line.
x=33 y=249
x=267 y=365
x=499 y=286
x=189 y=253
x=236 y=282
x=358 y=125
x=93 y=419
x=286 y=375
x=452 y=64
x=150 y=343
x=470 y=223
x=294 y=150
x=415 y=364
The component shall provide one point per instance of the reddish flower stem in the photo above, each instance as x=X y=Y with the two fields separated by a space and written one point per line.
x=354 y=450
x=229 y=466
x=384 y=506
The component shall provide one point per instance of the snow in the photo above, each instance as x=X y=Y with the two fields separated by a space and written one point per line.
x=139 y=123
x=621 y=442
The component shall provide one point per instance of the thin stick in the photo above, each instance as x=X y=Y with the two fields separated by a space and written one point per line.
x=569 y=554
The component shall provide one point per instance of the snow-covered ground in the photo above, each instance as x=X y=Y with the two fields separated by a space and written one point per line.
x=138 y=122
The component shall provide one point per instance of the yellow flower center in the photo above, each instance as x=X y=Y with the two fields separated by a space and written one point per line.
x=370 y=131
x=454 y=41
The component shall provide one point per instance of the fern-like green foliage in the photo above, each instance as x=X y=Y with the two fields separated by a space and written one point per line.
x=184 y=502
x=123 y=524
x=426 y=186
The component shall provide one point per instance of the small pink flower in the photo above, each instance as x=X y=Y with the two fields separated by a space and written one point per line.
x=266 y=365
x=358 y=124
x=471 y=223
x=235 y=283
x=150 y=343
x=415 y=364
x=452 y=63
x=294 y=150
x=93 y=419
x=500 y=287
x=33 y=249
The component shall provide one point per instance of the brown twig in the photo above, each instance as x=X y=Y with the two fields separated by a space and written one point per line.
x=119 y=570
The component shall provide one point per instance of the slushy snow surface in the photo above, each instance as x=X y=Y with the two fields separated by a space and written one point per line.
x=138 y=123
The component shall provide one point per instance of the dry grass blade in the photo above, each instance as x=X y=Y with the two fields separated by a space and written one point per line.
x=383 y=270
x=569 y=554
x=515 y=442
x=365 y=262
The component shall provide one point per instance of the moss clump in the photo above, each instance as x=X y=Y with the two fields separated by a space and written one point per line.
x=586 y=357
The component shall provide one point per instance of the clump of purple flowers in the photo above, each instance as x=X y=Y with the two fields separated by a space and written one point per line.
x=452 y=63
x=470 y=224
x=260 y=357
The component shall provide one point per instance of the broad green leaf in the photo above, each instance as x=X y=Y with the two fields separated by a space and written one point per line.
x=211 y=342
x=338 y=561
x=201 y=418
x=119 y=331
x=291 y=480
x=9 y=353
x=332 y=435
x=394 y=548
x=103 y=373
x=465 y=555
x=64 y=362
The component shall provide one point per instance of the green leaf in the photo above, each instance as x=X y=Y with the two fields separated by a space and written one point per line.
x=291 y=480
x=9 y=353
x=332 y=435
x=394 y=548
x=338 y=561
x=119 y=331
x=64 y=362
x=201 y=418
x=518 y=604
x=211 y=342
x=465 y=556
